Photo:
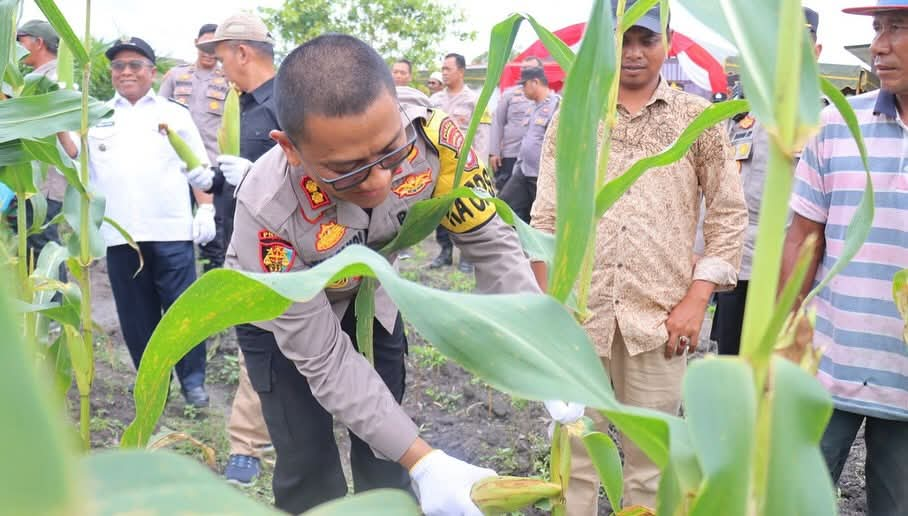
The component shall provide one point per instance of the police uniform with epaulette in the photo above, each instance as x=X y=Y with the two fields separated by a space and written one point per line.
x=285 y=222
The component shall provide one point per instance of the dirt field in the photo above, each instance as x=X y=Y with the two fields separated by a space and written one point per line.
x=455 y=411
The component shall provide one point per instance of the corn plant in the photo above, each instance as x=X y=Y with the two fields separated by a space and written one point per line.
x=750 y=447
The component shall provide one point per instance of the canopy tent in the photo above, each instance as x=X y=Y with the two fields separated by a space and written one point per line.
x=702 y=67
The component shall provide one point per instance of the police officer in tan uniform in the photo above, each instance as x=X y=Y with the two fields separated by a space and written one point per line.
x=509 y=124
x=353 y=159
x=458 y=101
x=202 y=87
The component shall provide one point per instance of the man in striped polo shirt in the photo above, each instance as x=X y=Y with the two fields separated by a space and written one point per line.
x=859 y=329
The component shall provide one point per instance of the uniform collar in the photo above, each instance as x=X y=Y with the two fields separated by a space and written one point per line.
x=886 y=104
x=46 y=67
x=262 y=93
x=661 y=93
x=120 y=101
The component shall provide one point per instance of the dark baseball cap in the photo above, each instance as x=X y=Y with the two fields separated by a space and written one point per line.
x=531 y=72
x=40 y=29
x=650 y=19
x=134 y=44
x=812 y=20
x=881 y=5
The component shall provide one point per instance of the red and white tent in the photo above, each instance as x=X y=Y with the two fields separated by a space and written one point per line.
x=702 y=67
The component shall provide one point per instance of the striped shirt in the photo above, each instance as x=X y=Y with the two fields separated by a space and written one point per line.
x=859 y=329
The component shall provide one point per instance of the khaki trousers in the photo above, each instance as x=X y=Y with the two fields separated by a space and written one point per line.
x=643 y=380
x=246 y=428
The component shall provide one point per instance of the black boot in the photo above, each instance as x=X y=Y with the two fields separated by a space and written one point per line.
x=443 y=258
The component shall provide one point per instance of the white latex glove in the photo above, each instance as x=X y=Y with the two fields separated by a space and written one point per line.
x=564 y=413
x=203 y=230
x=200 y=177
x=233 y=168
x=443 y=485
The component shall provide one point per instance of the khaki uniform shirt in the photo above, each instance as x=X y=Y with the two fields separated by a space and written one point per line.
x=510 y=123
x=54 y=185
x=751 y=147
x=531 y=146
x=644 y=245
x=285 y=222
x=460 y=108
x=203 y=92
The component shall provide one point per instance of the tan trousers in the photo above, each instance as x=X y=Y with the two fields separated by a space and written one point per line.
x=643 y=380
x=246 y=427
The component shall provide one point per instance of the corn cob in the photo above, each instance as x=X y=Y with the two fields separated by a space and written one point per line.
x=496 y=495
x=180 y=147
x=229 y=132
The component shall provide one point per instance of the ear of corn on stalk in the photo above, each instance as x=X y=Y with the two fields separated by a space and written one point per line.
x=496 y=495
x=229 y=132
x=181 y=148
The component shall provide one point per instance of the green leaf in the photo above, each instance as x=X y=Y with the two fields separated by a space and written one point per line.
x=82 y=355
x=58 y=363
x=72 y=207
x=500 y=44
x=607 y=461
x=634 y=12
x=46 y=150
x=50 y=113
x=46 y=480
x=851 y=119
x=162 y=483
x=11 y=153
x=64 y=30
x=649 y=429
x=682 y=475
x=586 y=91
x=18 y=177
x=364 y=308
x=129 y=240
x=526 y=345
x=422 y=219
x=721 y=422
x=39 y=212
x=379 y=501
x=8 y=10
x=900 y=296
x=65 y=65
x=710 y=116
x=798 y=480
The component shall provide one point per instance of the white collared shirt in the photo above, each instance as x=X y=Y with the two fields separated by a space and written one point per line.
x=133 y=165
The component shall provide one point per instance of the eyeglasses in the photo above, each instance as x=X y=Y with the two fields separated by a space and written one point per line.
x=389 y=161
x=134 y=65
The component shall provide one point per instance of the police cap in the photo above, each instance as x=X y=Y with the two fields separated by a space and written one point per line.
x=135 y=44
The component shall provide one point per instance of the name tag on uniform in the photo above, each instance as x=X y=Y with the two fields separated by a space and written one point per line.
x=743 y=150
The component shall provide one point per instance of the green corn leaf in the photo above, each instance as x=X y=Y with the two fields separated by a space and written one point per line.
x=798 y=480
x=710 y=116
x=586 y=90
x=42 y=115
x=18 y=177
x=129 y=240
x=58 y=21
x=364 y=308
x=634 y=12
x=46 y=151
x=723 y=438
x=8 y=10
x=39 y=212
x=607 y=462
x=523 y=344
x=65 y=65
x=60 y=366
x=379 y=501
x=682 y=475
x=72 y=207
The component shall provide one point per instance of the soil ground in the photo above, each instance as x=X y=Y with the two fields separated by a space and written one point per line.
x=455 y=411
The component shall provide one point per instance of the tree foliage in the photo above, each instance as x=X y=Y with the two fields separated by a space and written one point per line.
x=413 y=29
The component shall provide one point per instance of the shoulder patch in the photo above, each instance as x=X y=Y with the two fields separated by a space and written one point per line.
x=275 y=253
x=314 y=194
x=747 y=122
x=449 y=135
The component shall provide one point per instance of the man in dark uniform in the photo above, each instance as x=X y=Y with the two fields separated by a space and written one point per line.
x=509 y=124
x=520 y=190
x=354 y=158
x=202 y=87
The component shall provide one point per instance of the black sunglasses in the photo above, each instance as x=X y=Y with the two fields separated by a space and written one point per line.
x=389 y=161
x=134 y=65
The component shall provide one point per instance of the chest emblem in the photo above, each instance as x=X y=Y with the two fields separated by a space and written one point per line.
x=747 y=122
x=275 y=253
x=329 y=235
x=316 y=196
x=413 y=184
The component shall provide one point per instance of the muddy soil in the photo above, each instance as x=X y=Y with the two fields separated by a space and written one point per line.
x=455 y=411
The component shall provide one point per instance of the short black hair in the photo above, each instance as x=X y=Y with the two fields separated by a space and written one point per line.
x=461 y=62
x=355 y=75
x=535 y=58
x=406 y=62
x=208 y=28
x=265 y=50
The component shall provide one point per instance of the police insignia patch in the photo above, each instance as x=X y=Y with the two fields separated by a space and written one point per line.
x=413 y=184
x=329 y=235
x=275 y=253
x=747 y=122
x=316 y=196
x=450 y=136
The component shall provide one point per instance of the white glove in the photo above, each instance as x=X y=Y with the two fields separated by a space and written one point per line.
x=233 y=168
x=200 y=177
x=564 y=413
x=443 y=485
x=203 y=229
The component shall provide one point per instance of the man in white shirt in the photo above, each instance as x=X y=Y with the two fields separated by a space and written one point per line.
x=144 y=182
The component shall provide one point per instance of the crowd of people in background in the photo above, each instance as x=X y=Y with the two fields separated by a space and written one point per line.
x=320 y=168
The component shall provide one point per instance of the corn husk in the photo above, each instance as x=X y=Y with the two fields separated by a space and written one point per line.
x=181 y=148
x=497 y=495
x=229 y=132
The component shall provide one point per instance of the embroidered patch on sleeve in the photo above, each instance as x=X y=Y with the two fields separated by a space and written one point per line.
x=449 y=135
x=275 y=253
x=329 y=235
x=413 y=184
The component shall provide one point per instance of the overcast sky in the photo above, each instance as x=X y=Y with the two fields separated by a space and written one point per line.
x=170 y=25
